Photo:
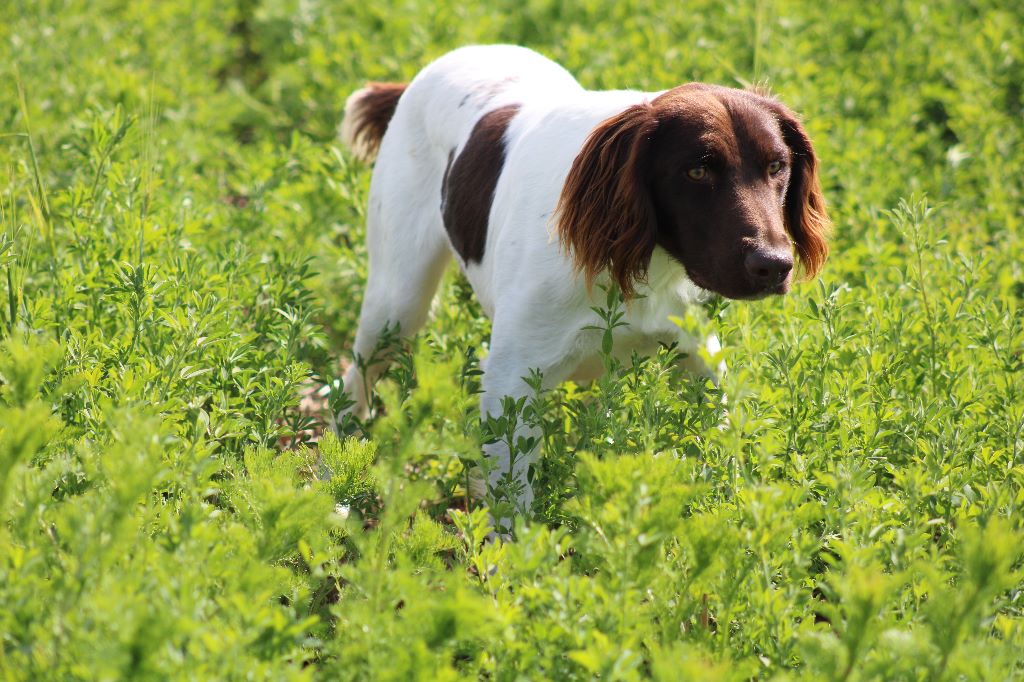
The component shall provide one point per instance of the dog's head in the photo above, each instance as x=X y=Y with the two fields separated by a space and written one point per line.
x=724 y=180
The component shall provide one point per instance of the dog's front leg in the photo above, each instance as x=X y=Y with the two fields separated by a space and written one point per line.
x=513 y=444
x=514 y=436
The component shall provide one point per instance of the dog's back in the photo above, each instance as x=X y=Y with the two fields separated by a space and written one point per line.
x=447 y=97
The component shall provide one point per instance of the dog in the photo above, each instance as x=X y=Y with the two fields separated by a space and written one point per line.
x=542 y=189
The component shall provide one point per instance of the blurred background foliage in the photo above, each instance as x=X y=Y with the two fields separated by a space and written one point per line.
x=180 y=265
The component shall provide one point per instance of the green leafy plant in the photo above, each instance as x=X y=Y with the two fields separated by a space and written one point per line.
x=181 y=264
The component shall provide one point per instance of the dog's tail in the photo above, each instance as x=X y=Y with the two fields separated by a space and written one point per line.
x=367 y=114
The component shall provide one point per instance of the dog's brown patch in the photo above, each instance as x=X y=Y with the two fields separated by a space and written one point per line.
x=467 y=189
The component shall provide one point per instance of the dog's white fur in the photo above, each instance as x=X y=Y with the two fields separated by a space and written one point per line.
x=525 y=282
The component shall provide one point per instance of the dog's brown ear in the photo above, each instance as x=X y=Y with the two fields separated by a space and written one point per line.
x=605 y=216
x=806 y=219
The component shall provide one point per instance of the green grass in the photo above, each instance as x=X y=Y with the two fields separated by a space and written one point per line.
x=181 y=258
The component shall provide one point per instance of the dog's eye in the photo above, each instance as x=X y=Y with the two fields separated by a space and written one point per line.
x=697 y=172
x=774 y=167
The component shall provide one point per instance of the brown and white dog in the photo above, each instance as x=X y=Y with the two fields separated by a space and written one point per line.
x=541 y=188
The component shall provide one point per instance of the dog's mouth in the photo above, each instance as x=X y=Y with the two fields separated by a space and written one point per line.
x=780 y=289
x=745 y=292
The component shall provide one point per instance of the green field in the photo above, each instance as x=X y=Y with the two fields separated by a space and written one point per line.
x=182 y=260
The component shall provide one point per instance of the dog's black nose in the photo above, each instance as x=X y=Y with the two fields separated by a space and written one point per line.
x=768 y=269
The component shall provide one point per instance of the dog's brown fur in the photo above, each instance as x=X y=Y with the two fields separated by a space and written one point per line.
x=467 y=188
x=627 y=190
x=368 y=113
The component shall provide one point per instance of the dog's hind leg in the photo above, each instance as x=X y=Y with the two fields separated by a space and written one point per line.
x=405 y=238
x=407 y=257
x=408 y=251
